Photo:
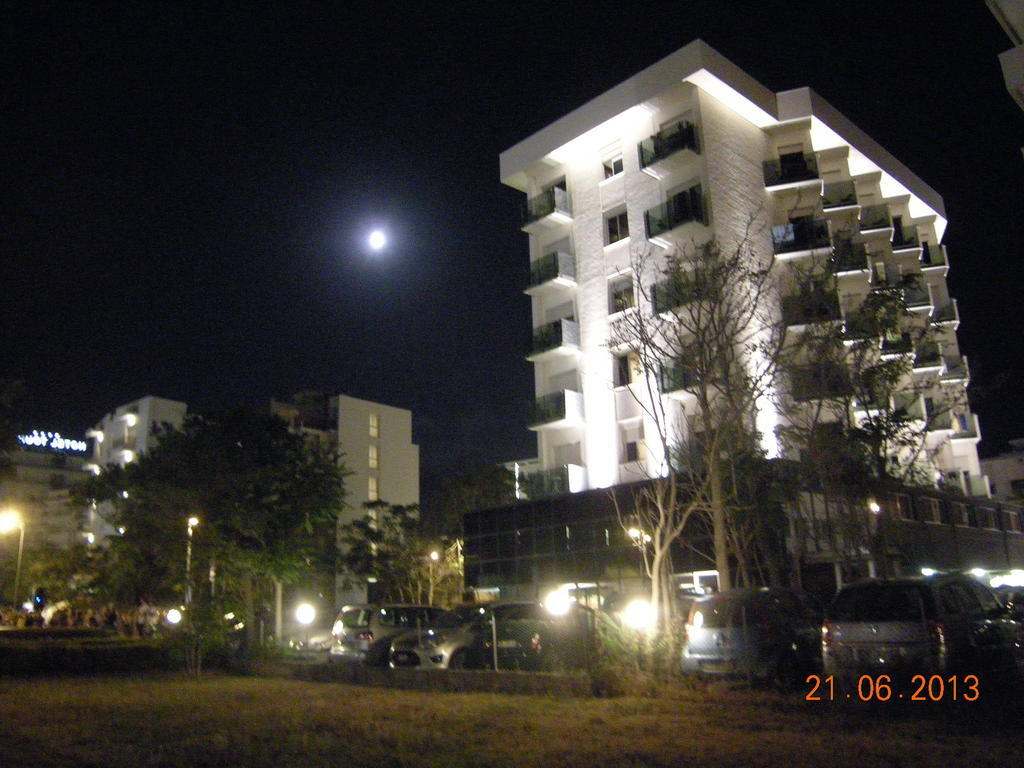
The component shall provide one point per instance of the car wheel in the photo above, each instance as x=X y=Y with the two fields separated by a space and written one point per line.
x=786 y=678
x=459 y=660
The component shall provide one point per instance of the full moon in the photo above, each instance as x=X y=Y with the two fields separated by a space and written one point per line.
x=377 y=240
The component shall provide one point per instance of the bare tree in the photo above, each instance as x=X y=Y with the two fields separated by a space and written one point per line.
x=707 y=335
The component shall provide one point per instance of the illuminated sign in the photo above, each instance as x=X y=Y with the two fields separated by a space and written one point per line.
x=52 y=441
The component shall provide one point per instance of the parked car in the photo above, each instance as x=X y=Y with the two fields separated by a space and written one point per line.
x=526 y=632
x=923 y=625
x=363 y=633
x=771 y=635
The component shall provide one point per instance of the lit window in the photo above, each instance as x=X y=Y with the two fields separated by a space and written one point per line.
x=613 y=167
x=372 y=492
x=617 y=227
x=374 y=425
x=627 y=369
x=374 y=457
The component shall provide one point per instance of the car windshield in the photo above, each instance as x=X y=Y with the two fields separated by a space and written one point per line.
x=355 y=617
x=879 y=602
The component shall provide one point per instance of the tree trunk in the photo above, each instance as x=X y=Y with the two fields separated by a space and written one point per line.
x=718 y=522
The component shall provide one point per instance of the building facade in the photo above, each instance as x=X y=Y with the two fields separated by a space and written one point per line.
x=375 y=444
x=1005 y=472
x=690 y=151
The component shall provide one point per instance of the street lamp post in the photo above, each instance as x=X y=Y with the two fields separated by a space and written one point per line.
x=9 y=520
x=192 y=523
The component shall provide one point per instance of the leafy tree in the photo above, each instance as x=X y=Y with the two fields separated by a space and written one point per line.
x=481 y=488
x=266 y=501
x=389 y=545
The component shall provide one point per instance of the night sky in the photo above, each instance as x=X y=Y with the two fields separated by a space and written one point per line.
x=188 y=192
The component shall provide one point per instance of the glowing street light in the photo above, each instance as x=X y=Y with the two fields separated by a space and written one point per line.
x=9 y=520
x=377 y=240
x=305 y=614
x=192 y=523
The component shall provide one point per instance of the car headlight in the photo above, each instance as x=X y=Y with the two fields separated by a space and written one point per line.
x=338 y=629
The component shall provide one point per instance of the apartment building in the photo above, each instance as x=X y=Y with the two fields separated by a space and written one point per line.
x=132 y=429
x=375 y=444
x=693 y=150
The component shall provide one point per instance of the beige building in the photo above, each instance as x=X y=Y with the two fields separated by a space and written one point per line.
x=690 y=150
x=1006 y=472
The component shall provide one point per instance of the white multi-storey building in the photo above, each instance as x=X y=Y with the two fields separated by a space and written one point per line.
x=375 y=445
x=132 y=429
x=692 y=150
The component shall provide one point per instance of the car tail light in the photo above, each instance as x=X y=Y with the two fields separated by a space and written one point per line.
x=826 y=634
x=364 y=636
x=936 y=632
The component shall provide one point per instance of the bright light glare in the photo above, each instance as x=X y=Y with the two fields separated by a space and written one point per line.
x=193 y=522
x=639 y=615
x=927 y=571
x=9 y=521
x=377 y=240
x=435 y=556
x=174 y=616
x=978 y=572
x=698 y=619
x=305 y=613
x=558 y=602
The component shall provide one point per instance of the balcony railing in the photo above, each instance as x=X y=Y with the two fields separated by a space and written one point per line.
x=789 y=169
x=672 y=377
x=849 y=257
x=560 y=333
x=552 y=266
x=817 y=307
x=551 y=200
x=917 y=295
x=956 y=369
x=933 y=255
x=897 y=344
x=669 y=140
x=908 y=406
x=875 y=217
x=839 y=194
x=670 y=294
x=858 y=328
x=905 y=237
x=927 y=355
x=803 y=234
x=946 y=314
x=819 y=382
x=681 y=209
x=557 y=406
x=545 y=483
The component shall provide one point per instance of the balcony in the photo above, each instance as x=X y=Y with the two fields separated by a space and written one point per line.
x=673 y=378
x=670 y=148
x=905 y=238
x=965 y=427
x=947 y=315
x=819 y=382
x=810 y=308
x=791 y=170
x=908 y=406
x=800 y=237
x=556 y=410
x=927 y=357
x=562 y=337
x=916 y=295
x=554 y=270
x=839 y=194
x=895 y=345
x=558 y=481
x=674 y=293
x=933 y=258
x=857 y=328
x=550 y=207
x=849 y=257
x=683 y=208
x=874 y=218
x=956 y=371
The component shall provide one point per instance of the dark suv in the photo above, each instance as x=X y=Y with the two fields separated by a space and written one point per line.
x=922 y=625
x=771 y=635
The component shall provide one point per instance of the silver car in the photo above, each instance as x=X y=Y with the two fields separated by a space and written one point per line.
x=363 y=633
x=927 y=625
x=464 y=639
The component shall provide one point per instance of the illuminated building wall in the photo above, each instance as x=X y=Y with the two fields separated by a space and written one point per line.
x=754 y=166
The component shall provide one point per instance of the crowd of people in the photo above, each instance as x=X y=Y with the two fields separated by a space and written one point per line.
x=140 y=621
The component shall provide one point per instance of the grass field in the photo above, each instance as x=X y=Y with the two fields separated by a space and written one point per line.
x=169 y=720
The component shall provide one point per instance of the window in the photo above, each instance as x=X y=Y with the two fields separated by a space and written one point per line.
x=617 y=227
x=372 y=492
x=627 y=369
x=620 y=294
x=374 y=425
x=374 y=458
x=613 y=167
